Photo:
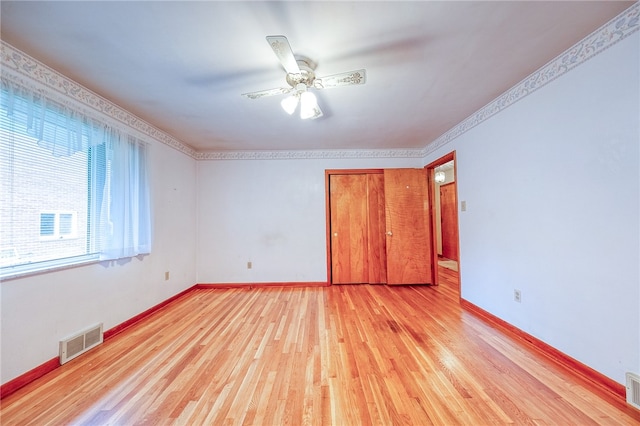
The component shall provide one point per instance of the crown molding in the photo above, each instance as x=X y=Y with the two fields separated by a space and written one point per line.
x=606 y=36
x=311 y=154
x=28 y=72
x=23 y=70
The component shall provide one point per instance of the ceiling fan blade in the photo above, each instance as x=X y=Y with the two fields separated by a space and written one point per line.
x=283 y=51
x=268 y=92
x=342 y=79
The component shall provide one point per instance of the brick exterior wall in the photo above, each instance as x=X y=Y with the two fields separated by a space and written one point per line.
x=33 y=181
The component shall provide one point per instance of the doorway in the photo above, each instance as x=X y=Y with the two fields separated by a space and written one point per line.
x=444 y=224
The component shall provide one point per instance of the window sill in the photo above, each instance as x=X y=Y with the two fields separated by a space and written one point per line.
x=36 y=268
x=50 y=238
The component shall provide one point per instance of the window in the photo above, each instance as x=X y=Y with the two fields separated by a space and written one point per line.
x=47 y=224
x=71 y=189
x=65 y=224
x=57 y=225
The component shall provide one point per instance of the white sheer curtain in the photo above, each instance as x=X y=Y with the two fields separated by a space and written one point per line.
x=58 y=128
x=120 y=221
x=127 y=230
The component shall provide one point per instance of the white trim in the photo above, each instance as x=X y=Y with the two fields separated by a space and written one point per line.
x=57 y=234
x=311 y=154
x=35 y=268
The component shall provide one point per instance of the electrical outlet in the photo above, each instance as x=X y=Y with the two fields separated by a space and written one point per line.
x=166 y=276
x=517 y=296
x=249 y=265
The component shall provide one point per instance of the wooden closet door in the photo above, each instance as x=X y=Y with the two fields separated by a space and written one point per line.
x=408 y=245
x=349 y=243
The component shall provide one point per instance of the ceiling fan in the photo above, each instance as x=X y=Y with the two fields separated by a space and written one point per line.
x=300 y=78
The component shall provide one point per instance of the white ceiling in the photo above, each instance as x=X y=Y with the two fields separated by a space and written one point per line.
x=182 y=65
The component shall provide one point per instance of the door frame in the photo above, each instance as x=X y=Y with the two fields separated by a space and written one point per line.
x=431 y=183
x=327 y=203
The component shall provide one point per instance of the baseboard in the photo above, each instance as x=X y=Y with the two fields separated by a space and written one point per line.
x=263 y=285
x=123 y=326
x=28 y=377
x=598 y=379
x=13 y=385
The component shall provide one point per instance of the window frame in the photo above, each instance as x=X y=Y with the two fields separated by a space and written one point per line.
x=57 y=234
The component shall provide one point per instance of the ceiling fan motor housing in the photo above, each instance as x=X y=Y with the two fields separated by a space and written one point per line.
x=307 y=75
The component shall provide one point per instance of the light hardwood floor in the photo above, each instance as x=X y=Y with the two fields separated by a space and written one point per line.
x=341 y=355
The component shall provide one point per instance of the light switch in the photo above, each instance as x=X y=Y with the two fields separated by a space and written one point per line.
x=463 y=206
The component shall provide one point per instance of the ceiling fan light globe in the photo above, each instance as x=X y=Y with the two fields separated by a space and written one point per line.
x=289 y=104
x=309 y=106
x=317 y=113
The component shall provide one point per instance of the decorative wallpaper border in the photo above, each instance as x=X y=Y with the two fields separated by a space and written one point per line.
x=606 y=36
x=21 y=69
x=311 y=154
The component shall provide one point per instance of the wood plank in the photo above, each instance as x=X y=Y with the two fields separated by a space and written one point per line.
x=361 y=354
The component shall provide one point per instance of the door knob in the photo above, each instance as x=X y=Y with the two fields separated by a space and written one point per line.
x=335 y=234
x=389 y=233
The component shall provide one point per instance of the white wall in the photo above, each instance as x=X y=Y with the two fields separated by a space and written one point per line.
x=39 y=310
x=552 y=191
x=268 y=212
